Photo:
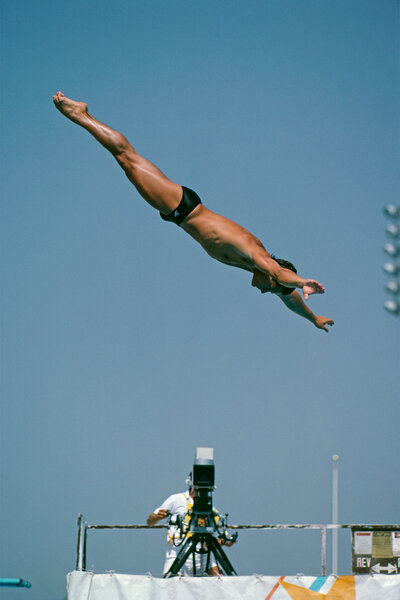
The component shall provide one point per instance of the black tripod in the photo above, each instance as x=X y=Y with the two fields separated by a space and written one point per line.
x=201 y=543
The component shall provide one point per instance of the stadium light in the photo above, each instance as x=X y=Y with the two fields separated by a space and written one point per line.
x=391 y=268
x=392 y=306
x=391 y=249
x=393 y=287
x=392 y=230
x=392 y=211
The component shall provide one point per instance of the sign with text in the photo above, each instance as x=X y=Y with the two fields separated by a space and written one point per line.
x=376 y=550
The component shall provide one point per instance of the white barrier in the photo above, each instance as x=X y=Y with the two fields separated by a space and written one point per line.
x=83 y=585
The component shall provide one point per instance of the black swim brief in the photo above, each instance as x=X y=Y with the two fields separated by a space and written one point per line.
x=189 y=201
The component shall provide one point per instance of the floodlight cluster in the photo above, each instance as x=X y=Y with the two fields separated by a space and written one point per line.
x=392 y=249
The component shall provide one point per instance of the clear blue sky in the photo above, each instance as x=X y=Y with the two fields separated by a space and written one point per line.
x=125 y=346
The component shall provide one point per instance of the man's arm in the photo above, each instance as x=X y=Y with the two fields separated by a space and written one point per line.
x=153 y=518
x=295 y=303
x=264 y=262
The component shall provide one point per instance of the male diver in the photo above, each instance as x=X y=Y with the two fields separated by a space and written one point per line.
x=221 y=238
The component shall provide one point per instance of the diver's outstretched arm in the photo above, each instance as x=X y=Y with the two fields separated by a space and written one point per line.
x=264 y=262
x=295 y=303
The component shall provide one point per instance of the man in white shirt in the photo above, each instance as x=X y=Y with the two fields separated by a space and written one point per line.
x=173 y=506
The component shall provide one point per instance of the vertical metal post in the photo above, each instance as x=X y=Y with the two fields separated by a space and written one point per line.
x=84 y=547
x=81 y=546
x=335 y=513
x=323 y=551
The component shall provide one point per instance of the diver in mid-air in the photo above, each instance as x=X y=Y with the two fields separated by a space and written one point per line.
x=221 y=238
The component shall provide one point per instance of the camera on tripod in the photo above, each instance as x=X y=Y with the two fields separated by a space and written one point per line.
x=203 y=531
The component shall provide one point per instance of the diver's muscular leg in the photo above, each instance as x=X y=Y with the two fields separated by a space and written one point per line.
x=151 y=183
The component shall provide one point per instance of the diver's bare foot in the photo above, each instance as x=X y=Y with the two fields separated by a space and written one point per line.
x=76 y=111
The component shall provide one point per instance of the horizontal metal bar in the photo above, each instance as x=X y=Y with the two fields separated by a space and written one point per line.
x=278 y=526
x=166 y=526
x=83 y=527
x=318 y=526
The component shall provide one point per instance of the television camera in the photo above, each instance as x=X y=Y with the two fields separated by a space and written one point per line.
x=203 y=531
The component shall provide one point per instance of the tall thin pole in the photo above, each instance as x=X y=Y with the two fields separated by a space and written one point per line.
x=323 y=551
x=335 y=512
x=81 y=547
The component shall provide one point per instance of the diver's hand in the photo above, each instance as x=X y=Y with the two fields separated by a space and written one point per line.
x=310 y=286
x=322 y=322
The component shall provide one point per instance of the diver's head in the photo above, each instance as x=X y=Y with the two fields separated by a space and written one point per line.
x=265 y=283
x=286 y=265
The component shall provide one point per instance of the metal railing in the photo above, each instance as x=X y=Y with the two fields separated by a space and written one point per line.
x=84 y=527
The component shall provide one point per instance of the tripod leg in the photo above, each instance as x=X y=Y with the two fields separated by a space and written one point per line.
x=188 y=547
x=194 y=561
x=208 y=562
x=221 y=557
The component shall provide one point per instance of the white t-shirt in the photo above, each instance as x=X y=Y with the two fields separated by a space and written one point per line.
x=177 y=504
